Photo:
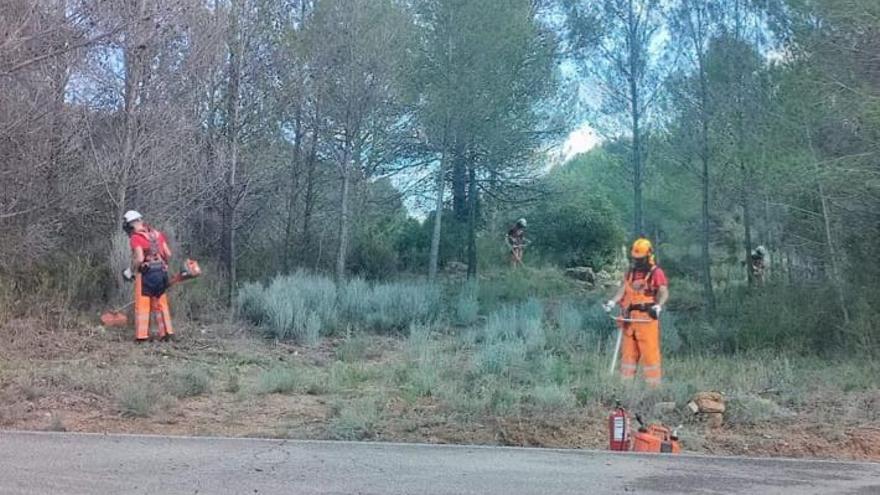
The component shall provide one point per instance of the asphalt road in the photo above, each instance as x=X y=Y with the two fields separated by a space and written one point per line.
x=49 y=463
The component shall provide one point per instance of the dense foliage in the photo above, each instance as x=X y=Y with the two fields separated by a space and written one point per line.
x=388 y=138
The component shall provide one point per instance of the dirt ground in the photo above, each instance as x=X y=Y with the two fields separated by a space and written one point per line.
x=68 y=381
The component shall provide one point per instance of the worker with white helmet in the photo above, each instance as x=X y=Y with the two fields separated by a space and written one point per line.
x=516 y=241
x=150 y=255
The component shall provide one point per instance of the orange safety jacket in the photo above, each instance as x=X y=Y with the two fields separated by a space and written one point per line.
x=639 y=294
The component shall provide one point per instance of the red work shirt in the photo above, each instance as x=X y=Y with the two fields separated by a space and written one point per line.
x=658 y=279
x=139 y=240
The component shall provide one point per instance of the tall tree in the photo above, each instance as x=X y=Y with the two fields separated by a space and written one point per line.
x=694 y=22
x=361 y=47
x=483 y=87
x=619 y=44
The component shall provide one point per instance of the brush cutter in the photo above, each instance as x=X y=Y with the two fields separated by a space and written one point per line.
x=621 y=319
x=119 y=318
x=115 y=317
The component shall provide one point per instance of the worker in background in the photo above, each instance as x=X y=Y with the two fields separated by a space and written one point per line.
x=759 y=264
x=641 y=297
x=516 y=241
x=149 y=270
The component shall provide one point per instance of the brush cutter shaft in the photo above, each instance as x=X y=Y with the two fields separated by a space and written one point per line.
x=629 y=320
x=120 y=308
x=616 y=352
x=620 y=337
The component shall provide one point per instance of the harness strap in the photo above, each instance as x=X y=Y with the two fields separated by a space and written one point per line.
x=154 y=257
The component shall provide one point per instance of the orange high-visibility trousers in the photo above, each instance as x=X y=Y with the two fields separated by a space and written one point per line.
x=640 y=347
x=145 y=307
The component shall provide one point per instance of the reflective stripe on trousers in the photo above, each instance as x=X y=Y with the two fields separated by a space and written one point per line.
x=640 y=347
x=144 y=306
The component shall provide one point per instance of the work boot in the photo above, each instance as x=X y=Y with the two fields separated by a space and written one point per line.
x=168 y=338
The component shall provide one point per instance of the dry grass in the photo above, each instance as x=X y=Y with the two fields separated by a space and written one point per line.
x=434 y=385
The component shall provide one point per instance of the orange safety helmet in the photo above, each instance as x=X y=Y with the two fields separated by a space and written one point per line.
x=642 y=248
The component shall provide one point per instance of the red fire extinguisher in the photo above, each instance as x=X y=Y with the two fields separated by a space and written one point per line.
x=618 y=429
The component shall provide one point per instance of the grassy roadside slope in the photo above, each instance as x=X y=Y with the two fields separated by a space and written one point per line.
x=531 y=373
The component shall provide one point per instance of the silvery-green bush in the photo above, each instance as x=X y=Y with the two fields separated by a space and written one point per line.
x=305 y=306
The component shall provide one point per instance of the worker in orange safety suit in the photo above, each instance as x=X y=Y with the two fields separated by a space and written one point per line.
x=149 y=271
x=642 y=296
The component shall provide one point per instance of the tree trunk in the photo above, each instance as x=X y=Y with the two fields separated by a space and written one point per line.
x=293 y=192
x=708 y=293
x=459 y=186
x=341 y=255
x=637 y=177
x=132 y=86
x=472 y=223
x=231 y=200
x=833 y=259
x=309 y=200
x=635 y=112
x=60 y=70
x=438 y=214
x=747 y=221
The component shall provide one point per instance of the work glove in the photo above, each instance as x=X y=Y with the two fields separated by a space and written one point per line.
x=655 y=311
x=127 y=275
x=609 y=305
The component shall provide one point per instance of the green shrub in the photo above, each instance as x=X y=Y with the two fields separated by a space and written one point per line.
x=501 y=398
x=394 y=307
x=290 y=307
x=500 y=357
x=355 y=299
x=189 y=382
x=571 y=332
x=282 y=381
x=249 y=301
x=751 y=409
x=524 y=322
x=670 y=341
x=419 y=346
x=761 y=318
x=233 y=382
x=577 y=224
x=517 y=286
x=420 y=380
x=355 y=420
x=304 y=306
x=353 y=348
x=552 y=397
x=348 y=376
x=467 y=305
x=136 y=400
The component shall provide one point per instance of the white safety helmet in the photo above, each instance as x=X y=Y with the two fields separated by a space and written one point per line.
x=521 y=222
x=132 y=216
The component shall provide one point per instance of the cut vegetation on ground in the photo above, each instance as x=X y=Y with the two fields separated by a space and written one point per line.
x=528 y=373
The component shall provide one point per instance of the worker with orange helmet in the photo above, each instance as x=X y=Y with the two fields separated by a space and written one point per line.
x=642 y=297
x=149 y=271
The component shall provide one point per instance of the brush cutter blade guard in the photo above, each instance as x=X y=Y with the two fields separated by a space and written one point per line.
x=114 y=319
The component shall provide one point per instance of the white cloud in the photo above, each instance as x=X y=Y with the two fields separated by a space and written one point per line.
x=580 y=140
